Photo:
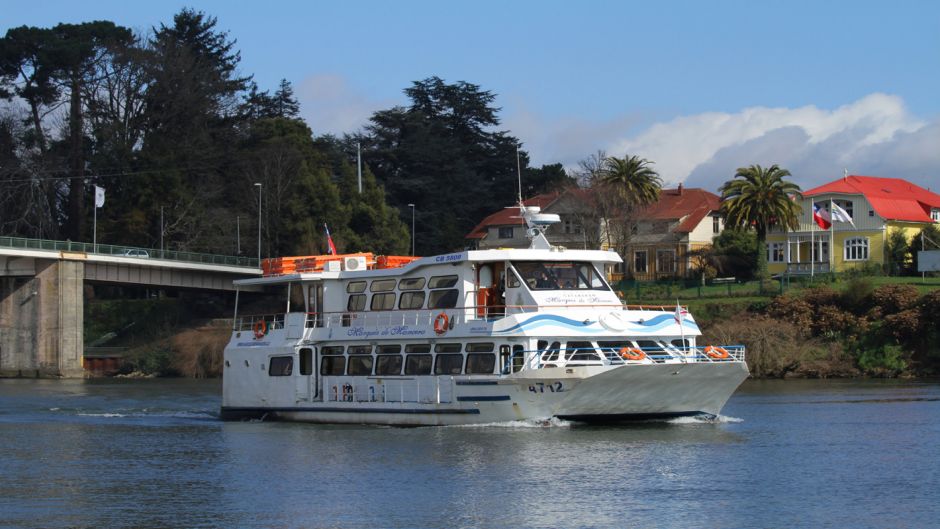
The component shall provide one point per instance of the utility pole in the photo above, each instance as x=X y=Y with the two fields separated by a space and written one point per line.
x=412 y=206
x=161 y=232
x=259 y=222
x=359 y=164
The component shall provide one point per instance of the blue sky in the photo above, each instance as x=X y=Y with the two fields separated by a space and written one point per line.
x=698 y=87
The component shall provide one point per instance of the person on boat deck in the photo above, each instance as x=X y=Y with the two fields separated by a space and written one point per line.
x=544 y=281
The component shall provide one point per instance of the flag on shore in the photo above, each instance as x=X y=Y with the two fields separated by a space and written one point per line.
x=821 y=216
x=99 y=197
x=331 y=248
x=840 y=214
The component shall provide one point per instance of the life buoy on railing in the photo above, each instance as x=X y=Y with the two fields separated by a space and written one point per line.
x=718 y=353
x=260 y=328
x=440 y=323
x=632 y=353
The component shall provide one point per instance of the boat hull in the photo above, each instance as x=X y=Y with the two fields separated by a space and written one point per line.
x=589 y=394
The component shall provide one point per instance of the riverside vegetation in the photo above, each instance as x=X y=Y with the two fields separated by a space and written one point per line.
x=852 y=330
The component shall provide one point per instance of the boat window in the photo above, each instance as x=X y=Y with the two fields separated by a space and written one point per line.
x=332 y=365
x=612 y=349
x=360 y=349
x=411 y=300
x=442 y=281
x=418 y=364
x=513 y=280
x=448 y=364
x=356 y=303
x=682 y=344
x=411 y=283
x=306 y=361
x=382 y=285
x=384 y=301
x=560 y=275
x=442 y=299
x=354 y=287
x=551 y=354
x=504 y=359
x=485 y=347
x=360 y=365
x=388 y=349
x=447 y=348
x=331 y=350
x=518 y=358
x=418 y=348
x=388 y=365
x=580 y=352
x=480 y=363
x=650 y=347
x=280 y=366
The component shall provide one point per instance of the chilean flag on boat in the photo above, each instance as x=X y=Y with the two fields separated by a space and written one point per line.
x=331 y=248
x=680 y=313
x=821 y=217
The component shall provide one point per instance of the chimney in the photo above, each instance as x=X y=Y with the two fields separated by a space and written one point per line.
x=680 y=188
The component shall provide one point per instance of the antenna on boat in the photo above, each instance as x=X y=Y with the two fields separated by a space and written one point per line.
x=536 y=222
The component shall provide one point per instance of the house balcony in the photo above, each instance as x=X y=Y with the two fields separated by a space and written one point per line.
x=805 y=268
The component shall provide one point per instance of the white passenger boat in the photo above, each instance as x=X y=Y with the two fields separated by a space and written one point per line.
x=468 y=337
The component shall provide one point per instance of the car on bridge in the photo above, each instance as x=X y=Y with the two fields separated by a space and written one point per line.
x=135 y=252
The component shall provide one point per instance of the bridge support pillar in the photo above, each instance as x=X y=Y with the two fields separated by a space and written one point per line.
x=41 y=321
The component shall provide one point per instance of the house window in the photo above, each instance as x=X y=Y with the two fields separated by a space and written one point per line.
x=847 y=206
x=666 y=261
x=505 y=233
x=716 y=224
x=856 y=249
x=775 y=252
x=639 y=261
x=935 y=215
x=571 y=226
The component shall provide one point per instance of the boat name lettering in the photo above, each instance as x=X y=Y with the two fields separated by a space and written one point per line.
x=574 y=298
x=552 y=387
x=449 y=258
x=359 y=332
x=479 y=329
x=404 y=330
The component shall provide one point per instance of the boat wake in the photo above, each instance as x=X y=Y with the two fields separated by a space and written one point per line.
x=705 y=419
x=551 y=422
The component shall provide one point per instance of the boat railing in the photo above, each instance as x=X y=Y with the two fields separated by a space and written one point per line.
x=587 y=356
x=254 y=322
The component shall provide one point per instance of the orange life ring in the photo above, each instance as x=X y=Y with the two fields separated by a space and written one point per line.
x=440 y=323
x=718 y=353
x=260 y=328
x=632 y=353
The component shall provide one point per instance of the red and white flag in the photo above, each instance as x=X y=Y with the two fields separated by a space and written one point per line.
x=821 y=216
x=680 y=313
x=331 y=248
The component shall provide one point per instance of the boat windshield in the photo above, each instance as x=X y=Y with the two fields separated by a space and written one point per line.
x=560 y=275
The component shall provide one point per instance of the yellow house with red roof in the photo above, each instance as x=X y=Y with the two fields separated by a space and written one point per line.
x=876 y=207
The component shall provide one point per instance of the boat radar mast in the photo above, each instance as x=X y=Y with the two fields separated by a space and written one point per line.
x=536 y=222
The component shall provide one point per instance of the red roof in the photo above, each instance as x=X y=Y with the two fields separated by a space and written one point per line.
x=891 y=198
x=509 y=216
x=694 y=204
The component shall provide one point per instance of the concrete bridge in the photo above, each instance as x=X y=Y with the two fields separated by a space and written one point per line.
x=42 y=294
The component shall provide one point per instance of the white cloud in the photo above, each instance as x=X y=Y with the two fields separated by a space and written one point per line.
x=330 y=105
x=684 y=145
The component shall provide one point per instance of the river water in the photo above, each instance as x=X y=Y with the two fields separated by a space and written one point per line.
x=151 y=453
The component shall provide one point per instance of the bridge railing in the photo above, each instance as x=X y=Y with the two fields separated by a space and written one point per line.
x=127 y=251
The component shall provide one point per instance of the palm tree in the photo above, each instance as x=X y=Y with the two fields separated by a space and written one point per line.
x=632 y=178
x=761 y=199
x=625 y=185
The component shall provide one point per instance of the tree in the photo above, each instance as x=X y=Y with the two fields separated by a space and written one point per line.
x=761 y=199
x=896 y=252
x=622 y=187
x=442 y=154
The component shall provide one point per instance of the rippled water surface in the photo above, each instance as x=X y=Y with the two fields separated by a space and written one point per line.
x=152 y=453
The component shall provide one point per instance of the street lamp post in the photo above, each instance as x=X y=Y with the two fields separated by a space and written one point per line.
x=161 y=232
x=238 y=235
x=259 y=222
x=412 y=206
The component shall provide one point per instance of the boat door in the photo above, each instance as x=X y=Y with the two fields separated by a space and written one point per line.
x=307 y=385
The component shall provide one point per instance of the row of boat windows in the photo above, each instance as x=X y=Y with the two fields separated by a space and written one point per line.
x=388 y=360
x=440 y=293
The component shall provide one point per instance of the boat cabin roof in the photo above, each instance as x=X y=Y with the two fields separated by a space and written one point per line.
x=276 y=270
